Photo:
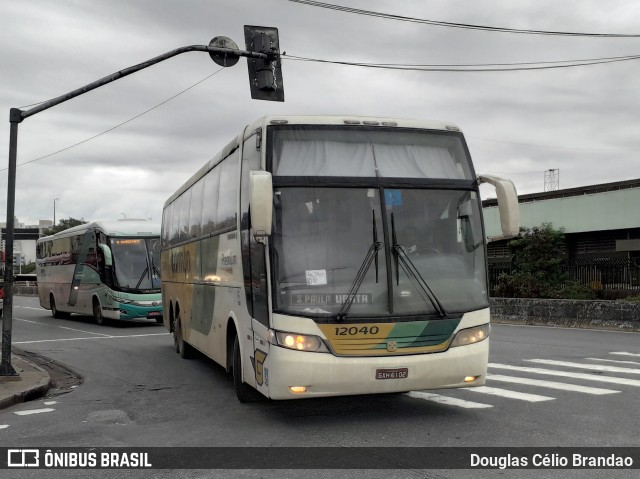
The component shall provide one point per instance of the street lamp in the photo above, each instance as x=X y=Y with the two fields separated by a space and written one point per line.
x=54 y=211
x=265 y=82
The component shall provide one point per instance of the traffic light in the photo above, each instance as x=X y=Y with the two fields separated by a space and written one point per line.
x=265 y=75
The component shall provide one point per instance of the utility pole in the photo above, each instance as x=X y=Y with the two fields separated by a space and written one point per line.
x=265 y=83
x=552 y=180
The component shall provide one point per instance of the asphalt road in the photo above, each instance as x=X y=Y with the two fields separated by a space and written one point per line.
x=548 y=387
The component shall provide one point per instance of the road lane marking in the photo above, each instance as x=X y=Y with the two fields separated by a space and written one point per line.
x=50 y=403
x=614 y=361
x=4 y=426
x=550 y=384
x=34 y=411
x=29 y=321
x=449 y=401
x=593 y=367
x=82 y=331
x=61 y=327
x=90 y=337
x=509 y=394
x=622 y=353
x=553 y=372
x=30 y=307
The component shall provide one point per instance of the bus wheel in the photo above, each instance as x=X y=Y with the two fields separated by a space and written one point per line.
x=244 y=392
x=54 y=310
x=97 y=313
x=182 y=347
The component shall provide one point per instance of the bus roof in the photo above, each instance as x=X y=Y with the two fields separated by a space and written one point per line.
x=351 y=120
x=337 y=120
x=121 y=227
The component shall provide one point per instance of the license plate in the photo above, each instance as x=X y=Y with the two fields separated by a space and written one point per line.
x=154 y=314
x=399 y=373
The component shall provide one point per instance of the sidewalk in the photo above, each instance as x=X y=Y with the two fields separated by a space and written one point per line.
x=32 y=382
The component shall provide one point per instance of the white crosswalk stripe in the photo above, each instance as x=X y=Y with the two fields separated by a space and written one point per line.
x=550 y=384
x=449 y=401
x=606 y=365
x=593 y=367
x=567 y=374
x=510 y=394
x=617 y=361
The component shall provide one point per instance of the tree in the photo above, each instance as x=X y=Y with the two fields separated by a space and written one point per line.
x=63 y=225
x=29 y=268
x=537 y=261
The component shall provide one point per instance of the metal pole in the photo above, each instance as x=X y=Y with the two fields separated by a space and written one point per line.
x=54 y=211
x=15 y=117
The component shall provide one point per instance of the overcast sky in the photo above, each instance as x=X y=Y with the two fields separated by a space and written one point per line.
x=582 y=121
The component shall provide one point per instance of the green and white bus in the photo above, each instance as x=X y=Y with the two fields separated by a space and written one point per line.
x=325 y=256
x=108 y=269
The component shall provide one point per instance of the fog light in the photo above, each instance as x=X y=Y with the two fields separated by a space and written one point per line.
x=471 y=379
x=298 y=389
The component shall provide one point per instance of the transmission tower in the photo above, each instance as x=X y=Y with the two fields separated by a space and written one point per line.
x=552 y=180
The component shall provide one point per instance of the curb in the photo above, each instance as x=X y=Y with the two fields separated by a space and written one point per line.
x=29 y=392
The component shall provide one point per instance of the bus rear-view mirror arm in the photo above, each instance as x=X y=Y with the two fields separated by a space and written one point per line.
x=507 y=206
x=108 y=258
x=261 y=204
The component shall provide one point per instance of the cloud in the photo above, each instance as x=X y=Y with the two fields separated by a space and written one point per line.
x=580 y=121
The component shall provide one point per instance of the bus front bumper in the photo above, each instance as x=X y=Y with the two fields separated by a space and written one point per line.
x=322 y=374
x=131 y=311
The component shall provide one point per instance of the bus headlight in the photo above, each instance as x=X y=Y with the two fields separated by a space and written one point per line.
x=471 y=335
x=299 y=342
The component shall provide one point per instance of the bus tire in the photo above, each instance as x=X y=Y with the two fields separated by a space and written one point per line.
x=54 y=309
x=244 y=392
x=182 y=347
x=97 y=313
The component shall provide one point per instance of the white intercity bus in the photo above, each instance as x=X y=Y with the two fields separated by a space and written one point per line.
x=324 y=256
x=108 y=269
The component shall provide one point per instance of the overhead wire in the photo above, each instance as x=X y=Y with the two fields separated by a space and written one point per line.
x=371 y=13
x=119 y=124
x=480 y=67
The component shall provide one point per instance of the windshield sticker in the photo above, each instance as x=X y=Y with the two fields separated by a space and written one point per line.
x=316 y=277
x=328 y=299
x=393 y=197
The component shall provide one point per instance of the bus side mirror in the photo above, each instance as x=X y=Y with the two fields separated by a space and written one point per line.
x=108 y=259
x=507 y=206
x=261 y=203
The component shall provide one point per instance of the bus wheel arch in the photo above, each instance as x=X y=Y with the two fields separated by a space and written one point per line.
x=244 y=392
x=54 y=308
x=232 y=332
x=97 y=312
x=171 y=318
x=184 y=349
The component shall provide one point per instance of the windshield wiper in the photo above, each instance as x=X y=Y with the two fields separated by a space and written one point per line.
x=401 y=257
x=141 y=277
x=372 y=254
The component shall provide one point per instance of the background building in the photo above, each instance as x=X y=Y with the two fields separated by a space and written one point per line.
x=601 y=225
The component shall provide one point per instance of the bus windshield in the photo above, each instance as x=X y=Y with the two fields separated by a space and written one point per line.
x=136 y=263
x=429 y=259
x=368 y=152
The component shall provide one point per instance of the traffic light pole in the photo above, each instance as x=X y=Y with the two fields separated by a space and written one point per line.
x=221 y=49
